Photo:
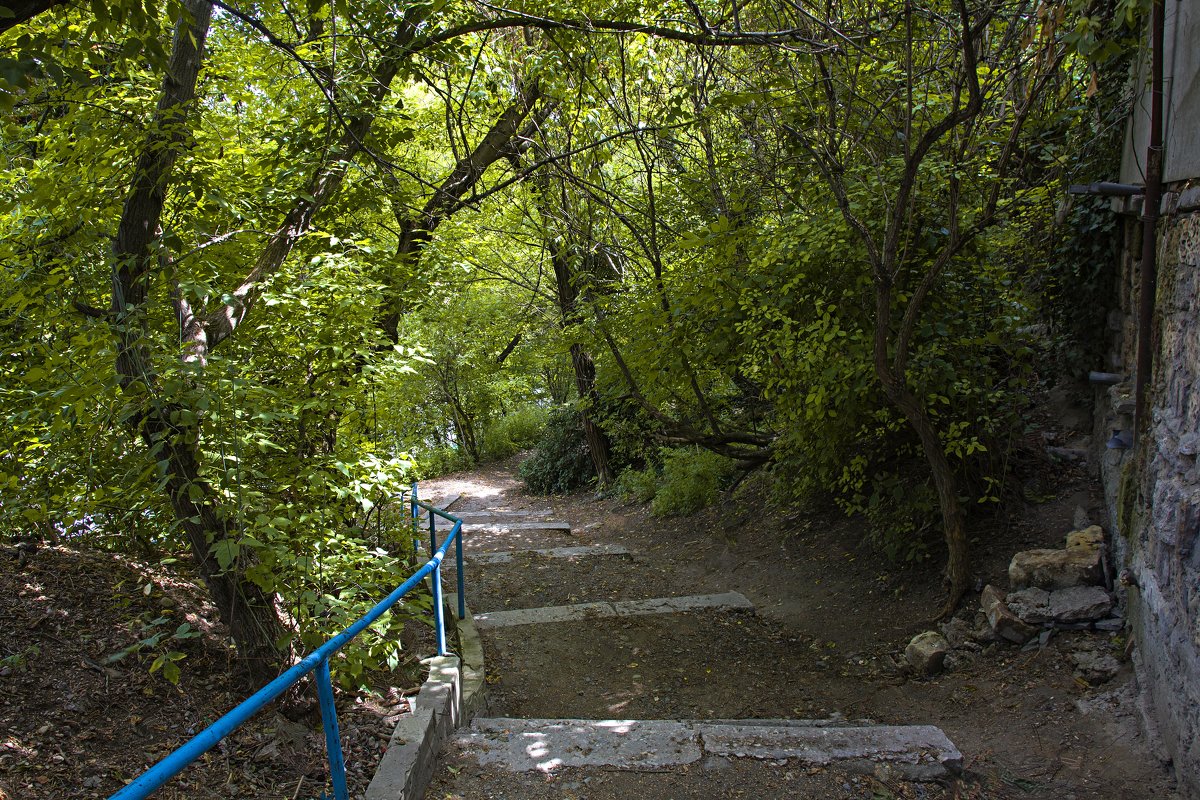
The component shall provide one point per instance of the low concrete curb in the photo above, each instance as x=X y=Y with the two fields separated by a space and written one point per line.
x=450 y=696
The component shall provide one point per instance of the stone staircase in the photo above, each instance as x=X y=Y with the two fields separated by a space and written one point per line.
x=483 y=755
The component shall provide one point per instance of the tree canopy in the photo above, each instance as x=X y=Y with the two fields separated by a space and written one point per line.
x=267 y=263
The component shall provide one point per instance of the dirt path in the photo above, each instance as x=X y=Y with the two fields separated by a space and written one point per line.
x=830 y=621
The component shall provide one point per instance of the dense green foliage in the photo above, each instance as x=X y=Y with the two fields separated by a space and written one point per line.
x=348 y=245
x=559 y=462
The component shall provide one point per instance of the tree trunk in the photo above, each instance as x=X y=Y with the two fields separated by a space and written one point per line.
x=585 y=382
x=958 y=565
x=583 y=365
x=243 y=606
x=173 y=442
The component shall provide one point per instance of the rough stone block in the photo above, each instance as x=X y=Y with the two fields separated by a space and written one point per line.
x=926 y=653
x=1080 y=604
x=1056 y=569
x=958 y=632
x=1087 y=539
x=1032 y=605
x=1002 y=620
x=1095 y=667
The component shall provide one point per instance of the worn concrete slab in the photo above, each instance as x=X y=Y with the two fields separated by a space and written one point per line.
x=582 y=551
x=563 y=528
x=918 y=752
x=502 y=514
x=471 y=652
x=522 y=745
x=407 y=764
x=727 y=601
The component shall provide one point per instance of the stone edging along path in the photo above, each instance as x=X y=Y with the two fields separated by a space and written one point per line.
x=448 y=699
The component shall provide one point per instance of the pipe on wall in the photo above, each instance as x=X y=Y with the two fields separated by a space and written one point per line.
x=1150 y=210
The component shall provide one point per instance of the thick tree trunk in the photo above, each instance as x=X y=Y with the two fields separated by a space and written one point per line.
x=585 y=383
x=584 y=367
x=243 y=607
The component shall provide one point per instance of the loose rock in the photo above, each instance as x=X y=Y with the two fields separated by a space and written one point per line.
x=1055 y=569
x=958 y=632
x=1002 y=620
x=1080 y=604
x=1088 y=539
x=1095 y=667
x=1032 y=605
x=926 y=653
x=1062 y=606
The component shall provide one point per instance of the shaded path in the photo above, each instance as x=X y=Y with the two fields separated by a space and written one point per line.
x=820 y=645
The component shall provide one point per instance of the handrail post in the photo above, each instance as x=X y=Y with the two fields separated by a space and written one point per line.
x=439 y=621
x=333 y=740
x=416 y=516
x=458 y=569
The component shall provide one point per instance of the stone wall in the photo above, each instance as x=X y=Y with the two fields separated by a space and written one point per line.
x=1153 y=490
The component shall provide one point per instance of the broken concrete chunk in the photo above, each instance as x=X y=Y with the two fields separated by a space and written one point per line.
x=1002 y=620
x=1080 y=604
x=1032 y=605
x=926 y=653
x=1056 y=569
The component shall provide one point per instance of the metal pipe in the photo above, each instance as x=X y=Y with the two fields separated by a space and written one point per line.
x=333 y=739
x=458 y=568
x=439 y=622
x=1106 y=378
x=1149 y=268
x=174 y=763
x=1107 y=189
x=416 y=516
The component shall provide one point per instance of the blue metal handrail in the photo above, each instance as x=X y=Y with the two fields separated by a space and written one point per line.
x=318 y=661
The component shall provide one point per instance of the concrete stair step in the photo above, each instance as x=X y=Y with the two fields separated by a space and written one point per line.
x=502 y=515
x=507 y=556
x=916 y=752
x=727 y=601
x=563 y=528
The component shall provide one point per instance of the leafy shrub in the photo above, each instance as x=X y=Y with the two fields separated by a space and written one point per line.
x=560 y=462
x=440 y=461
x=638 y=485
x=515 y=431
x=691 y=478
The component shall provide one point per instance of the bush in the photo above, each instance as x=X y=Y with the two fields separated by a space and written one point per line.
x=689 y=480
x=440 y=461
x=637 y=485
x=560 y=462
x=515 y=431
